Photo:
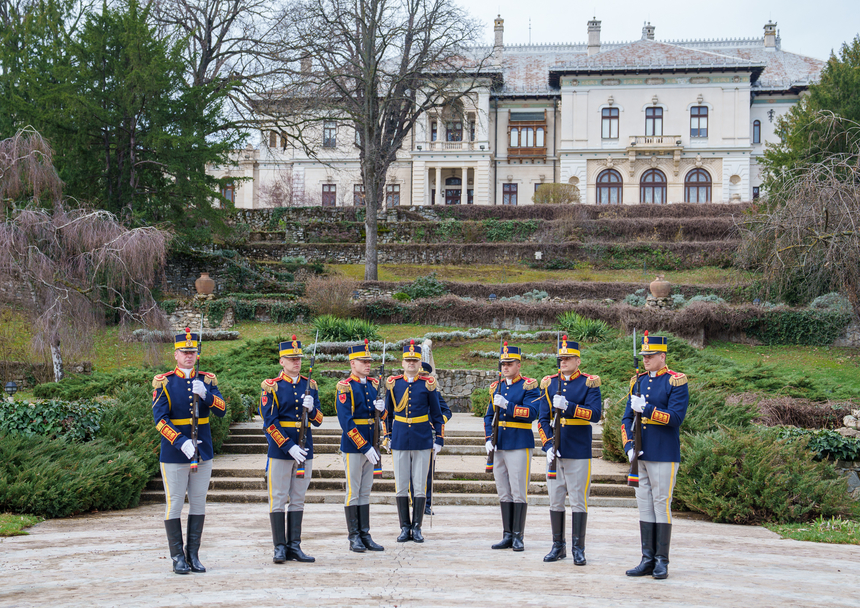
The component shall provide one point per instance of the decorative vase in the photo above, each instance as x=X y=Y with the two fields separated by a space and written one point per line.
x=660 y=288
x=205 y=285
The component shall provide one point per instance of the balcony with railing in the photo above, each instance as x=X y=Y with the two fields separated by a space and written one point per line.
x=655 y=142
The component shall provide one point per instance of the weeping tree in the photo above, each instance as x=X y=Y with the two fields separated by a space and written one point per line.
x=71 y=268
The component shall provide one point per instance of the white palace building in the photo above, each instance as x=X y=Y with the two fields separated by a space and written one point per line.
x=625 y=122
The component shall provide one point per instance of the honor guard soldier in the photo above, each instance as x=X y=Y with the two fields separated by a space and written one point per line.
x=663 y=405
x=172 y=409
x=446 y=416
x=575 y=396
x=290 y=465
x=412 y=404
x=357 y=398
x=517 y=401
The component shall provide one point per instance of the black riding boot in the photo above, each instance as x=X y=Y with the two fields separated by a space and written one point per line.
x=661 y=553
x=559 y=545
x=519 y=525
x=577 y=541
x=174 y=541
x=355 y=543
x=195 y=531
x=647 y=530
x=507 y=522
x=364 y=529
x=294 y=538
x=279 y=536
x=405 y=522
x=417 y=518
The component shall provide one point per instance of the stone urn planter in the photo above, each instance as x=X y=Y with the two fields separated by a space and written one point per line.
x=205 y=285
x=660 y=287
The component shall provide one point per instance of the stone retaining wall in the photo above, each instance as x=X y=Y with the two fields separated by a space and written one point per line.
x=27 y=375
x=851 y=470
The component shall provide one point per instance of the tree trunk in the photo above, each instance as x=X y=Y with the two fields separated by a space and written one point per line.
x=371 y=258
x=57 y=359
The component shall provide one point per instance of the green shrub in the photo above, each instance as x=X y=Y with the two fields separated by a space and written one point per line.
x=824 y=443
x=78 y=387
x=168 y=306
x=282 y=312
x=581 y=329
x=799 y=326
x=832 y=301
x=425 y=287
x=299 y=259
x=333 y=329
x=402 y=297
x=480 y=401
x=750 y=476
x=636 y=299
x=711 y=298
x=76 y=421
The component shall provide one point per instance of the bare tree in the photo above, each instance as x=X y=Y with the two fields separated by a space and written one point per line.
x=378 y=65
x=27 y=170
x=805 y=237
x=72 y=266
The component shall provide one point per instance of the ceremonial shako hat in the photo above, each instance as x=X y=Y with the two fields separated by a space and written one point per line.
x=652 y=345
x=411 y=351
x=361 y=351
x=568 y=348
x=426 y=367
x=291 y=349
x=510 y=353
x=185 y=341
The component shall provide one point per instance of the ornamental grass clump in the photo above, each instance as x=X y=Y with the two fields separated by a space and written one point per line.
x=582 y=329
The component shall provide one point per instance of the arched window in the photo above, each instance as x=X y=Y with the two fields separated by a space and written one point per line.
x=652 y=187
x=515 y=138
x=697 y=187
x=756 y=131
x=609 y=187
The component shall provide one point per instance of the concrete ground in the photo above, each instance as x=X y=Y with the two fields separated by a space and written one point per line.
x=120 y=559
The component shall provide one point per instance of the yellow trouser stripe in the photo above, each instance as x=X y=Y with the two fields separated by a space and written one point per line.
x=358 y=421
x=528 y=471
x=184 y=421
x=516 y=425
x=348 y=481
x=669 y=500
x=166 y=488
x=417 y=419
x=290 y=424
x=587 y=484
x=575 y=421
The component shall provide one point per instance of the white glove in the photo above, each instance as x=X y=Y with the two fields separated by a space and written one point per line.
x=637 y=403
x=550 y=456
x=630 y=454
x=436 y=449
x=308 y=402
x=379 y=404
x=500 y=401
x=489 y=446
x=372 y=456
x=559 y=402
x=187 y=448
x=298 y=454
x=198 y=388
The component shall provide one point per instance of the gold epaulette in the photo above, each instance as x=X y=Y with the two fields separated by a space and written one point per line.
x=343 y=386
x=313 y=384
x=209 y=378
x=493 y=387
x=547 y=380
x=677 y=378
x=529 y=383
x=269 y=385
x=374 y=382
x=592 y=381
x=389 y=382
x=429 y=382
x=160 y=380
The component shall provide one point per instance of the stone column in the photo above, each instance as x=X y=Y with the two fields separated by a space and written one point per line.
x=440 y=196
x=464 y=194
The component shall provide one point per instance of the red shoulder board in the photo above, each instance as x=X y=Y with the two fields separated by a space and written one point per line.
x=164 y=375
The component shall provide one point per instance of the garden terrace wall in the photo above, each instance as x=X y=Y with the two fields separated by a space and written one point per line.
x=28 y=375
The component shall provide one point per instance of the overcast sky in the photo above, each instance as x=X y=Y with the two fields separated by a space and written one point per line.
x=806 y=28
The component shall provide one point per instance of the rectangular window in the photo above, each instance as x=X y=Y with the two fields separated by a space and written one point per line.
x=329 y=134
x=509 y=194
x=609 y=123
x=699 y=121
x=470 y=196
x=756 y=192
x=228 y=191
x=471 y=130
x=392 y=195
x=358 y=195
x=273 y=140
x=329 y=195
x=454 y=131
x=756 y=132
x=434 y=133
x=653 y=122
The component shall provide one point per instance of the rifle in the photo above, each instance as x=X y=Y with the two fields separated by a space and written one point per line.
x=303 y=430
x=495 y=435
x=195 y=409
x=377 y=431
x=551 y=471
x=633 y=476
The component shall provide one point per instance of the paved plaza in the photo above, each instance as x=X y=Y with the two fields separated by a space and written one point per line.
x=121 y=559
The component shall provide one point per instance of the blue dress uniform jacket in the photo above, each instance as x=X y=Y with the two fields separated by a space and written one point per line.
x=515 y=421
x=667 y=396
x=584 y=406
x=354 y=402
x=172 y=401
x=281 y=409
x=414 y=411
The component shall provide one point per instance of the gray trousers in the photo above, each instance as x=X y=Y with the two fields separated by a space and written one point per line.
x=573 y=478
x=511 y=470
x=411 y=465
x=654 y=494
x=178 y=479
x=283 y=484
x=359 y=479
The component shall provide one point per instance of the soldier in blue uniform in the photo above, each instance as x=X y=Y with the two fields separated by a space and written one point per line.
x=663 y=405
x=412 y=405
x=576 y=396
x=282 y=402
x=357 y=398
x=517 y=400
x=172 y=402
x=446 y=416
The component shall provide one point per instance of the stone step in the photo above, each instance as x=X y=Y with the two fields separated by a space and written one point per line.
x=333 y=448
x=440 y=499
x=439 y=475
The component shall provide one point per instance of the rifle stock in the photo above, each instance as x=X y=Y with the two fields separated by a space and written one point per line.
x=495 y=433
x=303 y=429
x=552 y=470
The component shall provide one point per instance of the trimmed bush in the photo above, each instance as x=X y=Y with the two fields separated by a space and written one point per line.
x=825 y=444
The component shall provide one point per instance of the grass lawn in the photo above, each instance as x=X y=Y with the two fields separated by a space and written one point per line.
x=516 y=273
x=13 y=525
x=834 y=530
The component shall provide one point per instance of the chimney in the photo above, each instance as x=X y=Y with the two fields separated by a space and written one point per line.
x=498 y=45
x=648 y=31
x=769 y=36
x=593 y=36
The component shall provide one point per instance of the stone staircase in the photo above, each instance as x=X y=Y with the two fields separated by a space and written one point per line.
x=238 y=474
